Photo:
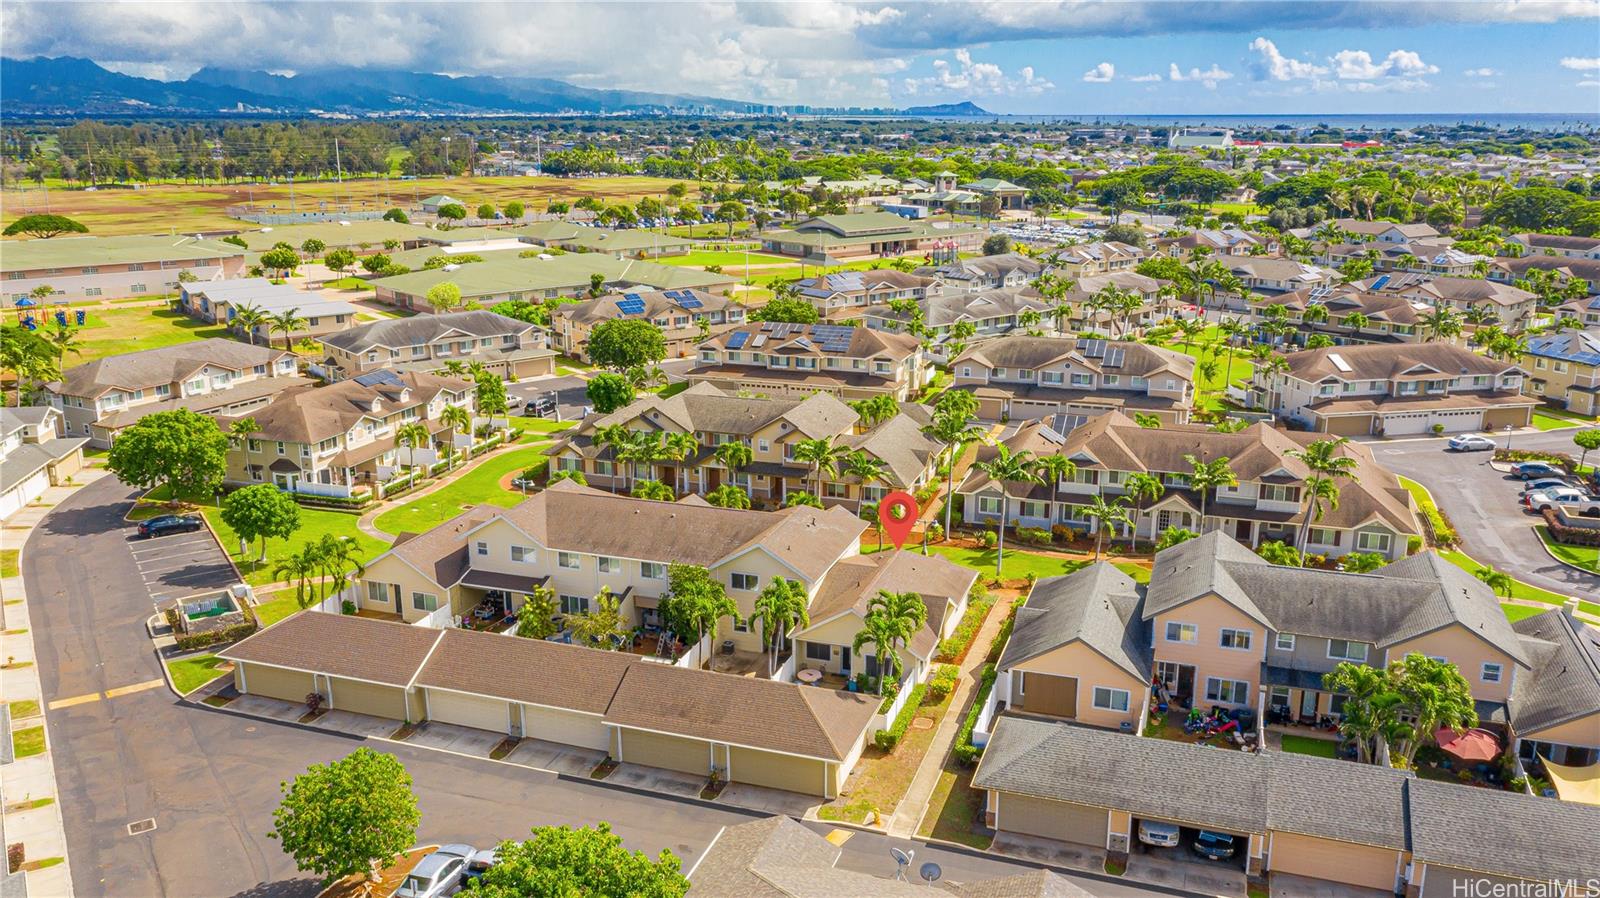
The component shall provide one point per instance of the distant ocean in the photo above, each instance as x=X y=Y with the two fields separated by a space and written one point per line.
x=1503 y=121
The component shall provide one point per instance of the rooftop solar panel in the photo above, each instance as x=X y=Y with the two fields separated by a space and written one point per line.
x=689 y=302
x=630 y=296
x=1380 y=283
x=736 y=339
x=1114 y=358
x=759 y=341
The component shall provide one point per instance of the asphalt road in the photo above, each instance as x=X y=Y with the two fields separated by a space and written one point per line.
x=209 y=779
x=1483 y=504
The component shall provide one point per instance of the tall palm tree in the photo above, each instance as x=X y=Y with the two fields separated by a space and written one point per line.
x=891 y=620
x=413 y=435
x=680 y=447
x=1107 y=515
x=457 y=418
x=1204 y=476
x=338 y=560
x=780 y=609
x=301 y=567
x=1053 y=469
x=823 y=455
x=1231 y=329
x=240 y=429
x=865 y=468
x=618 y=438
x=953 y=425
x=455 y=368
x=1355 y=321
x=287 y=322
x=1441 y=322
x=735 y=456
x=1006 y=468
x=1141 y=488
x=247 y=318
x=1497 y=580
x=1328 y=464
x=1368 y=715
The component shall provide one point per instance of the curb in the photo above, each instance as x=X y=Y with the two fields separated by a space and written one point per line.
x=1546 y=547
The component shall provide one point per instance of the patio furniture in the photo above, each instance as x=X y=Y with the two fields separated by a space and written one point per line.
x=727 y=646
x=1471 y=745
x=809 y=676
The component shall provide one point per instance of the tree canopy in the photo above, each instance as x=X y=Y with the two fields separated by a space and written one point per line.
x=260 y=511
x=608 y=391
x=180 y=449
x=351 y=816
x=45 y=226
x=624 y=343
x=559 y=862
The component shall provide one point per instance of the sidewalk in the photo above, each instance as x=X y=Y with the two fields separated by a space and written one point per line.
x=914 y=804
x=32 y=809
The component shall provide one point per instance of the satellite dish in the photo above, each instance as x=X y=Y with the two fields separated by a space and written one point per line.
x=930 y=872
x=903 y=859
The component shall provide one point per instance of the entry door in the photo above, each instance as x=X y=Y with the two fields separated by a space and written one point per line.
x=395 y=588
x=1308 y=703
x=844 y=660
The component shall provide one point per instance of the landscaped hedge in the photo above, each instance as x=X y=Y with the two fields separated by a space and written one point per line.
x=943 y=682
x=999 y=641
x=1440 y=531
x=964 y=751
x=215 y=637
x=1554 y=458
x=1571 y=536
x=888 y=739
x=1033 y=536
x=954 y=648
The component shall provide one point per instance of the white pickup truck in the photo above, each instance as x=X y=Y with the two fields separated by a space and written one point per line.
x=1574 y=500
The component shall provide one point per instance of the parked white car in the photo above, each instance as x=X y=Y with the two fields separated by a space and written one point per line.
x=1470 y=442
x=1161 y=835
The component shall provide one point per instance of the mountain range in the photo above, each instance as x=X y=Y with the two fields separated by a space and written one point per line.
x=73 y=86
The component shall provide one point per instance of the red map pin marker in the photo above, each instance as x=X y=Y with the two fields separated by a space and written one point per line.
x=897 y=512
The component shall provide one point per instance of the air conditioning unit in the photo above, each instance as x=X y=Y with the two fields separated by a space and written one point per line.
x=1118 y=843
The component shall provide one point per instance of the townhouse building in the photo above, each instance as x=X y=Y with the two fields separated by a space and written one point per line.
x=1564 y=369
x=780 y=359
x=1508 y=271
x=1374 y=514
x=866 y=234
x=1586 y=310
x=542 y=277
x=1219 y=242
x=1019 y=378
x=771 y=429
x=1003 y=271
x=1429 y=257
x=34 y=455
x=1394 y=390
x=1269 y=275
x=219 y=302
x=991 y=313
x=1512 y=307
x=97 y=268
x=506 y=346
x=1386 y=231
x=1565 y=246
x=1100 y=257
x=342 y=439
x=1088 y=314
x=684 y=317
x=639 y=244
x=848 y=294
x=213 y=376
x=1353 y=315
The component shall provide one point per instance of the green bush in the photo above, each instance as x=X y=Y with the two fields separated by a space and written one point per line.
x=964 y=751
x=1033 y=536
x=1440 y=531
x=891 y=690
x=194 y=641
x=954 y=647
x=988 y=539
x=888 y=739
x=943 y=682
x=1000 y=638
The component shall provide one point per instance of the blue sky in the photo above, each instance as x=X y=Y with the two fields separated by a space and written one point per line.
x=1048 y=56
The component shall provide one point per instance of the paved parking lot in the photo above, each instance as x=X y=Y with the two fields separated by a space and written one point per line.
x=180 y=565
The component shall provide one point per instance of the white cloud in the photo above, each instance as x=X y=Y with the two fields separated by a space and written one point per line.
x=1588 y=84
x=1210 y=77
x=1484 y=72
x=976 y=79
x=1272 y=65
x=1101 y=74
x=1358 y=65
x=1142 y=79
x=1581 y=63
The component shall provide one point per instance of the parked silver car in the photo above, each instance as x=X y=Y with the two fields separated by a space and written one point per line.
x=436 y=876
x=1161 y=835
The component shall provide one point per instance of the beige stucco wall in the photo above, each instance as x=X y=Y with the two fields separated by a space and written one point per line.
x=1583 y=732
x=1211 y=615
x=390 y=569
x=1091 y=669
x=273 y=682
x=1467 y=652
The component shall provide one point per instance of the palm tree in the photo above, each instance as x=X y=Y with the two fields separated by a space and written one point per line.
x=1142 y=487
x=1205 y=476
x=734 y=455
x=1355 y=321
x=301 y=567
x=822 y=455
x=457 y=418
x=1053 y=469
x=953 y=426
x=413 y=435
x=247 y=317
x=602 y=626
x=780 y=608
x=1328 y=464
x=1441 y=321
x=287 y=322
x=679 y=447
x=1004 y=468
x=338 y=559
x=618 y=438
x=1499 y=581
x=653 y=490
x=1107 y=515
x=891 y=620
x=728 y=496
x=1368 y=713
x=865 y=468
x=240 y=429
x=455 y=368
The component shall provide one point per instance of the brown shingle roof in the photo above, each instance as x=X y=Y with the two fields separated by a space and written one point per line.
x=783 y=717
x=149 y=368
x=340 y=645
x=312 y=415
x=1380 y=362
x=526 y=670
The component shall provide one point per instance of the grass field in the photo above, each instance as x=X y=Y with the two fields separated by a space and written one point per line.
x=1212 y=388
x=479 y=486
x=160 y=209
x=108 y=332
x=314 y=524
x=189 y=674
x=1305 y=745
x=277 y=606
x=1515 y=613
x=1586 y=557
x=727 y=259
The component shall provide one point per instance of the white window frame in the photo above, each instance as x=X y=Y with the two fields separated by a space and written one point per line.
x=568 y=561
x=1348 y=644
x=1192 y=629
x=529 y=554
x=424 y=601
x=1238 y=691
x=1236 y=633
x=1111 y=697
x=1284 y=642
x=752 y=581
x=1498 y=670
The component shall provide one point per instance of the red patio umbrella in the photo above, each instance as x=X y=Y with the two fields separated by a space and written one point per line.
x=1469 y=745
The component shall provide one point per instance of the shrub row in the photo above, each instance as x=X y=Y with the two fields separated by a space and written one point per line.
x=1000 y=638
x=194 y=641
x=964 y=751
x=1571 y=536
x=1033 y=536
x=943 y=682
x=888 y=739
x=1440 y=531
x=954 y=647
x=1554 y=458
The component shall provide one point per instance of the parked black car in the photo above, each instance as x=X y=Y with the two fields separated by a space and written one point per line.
x=169 y=523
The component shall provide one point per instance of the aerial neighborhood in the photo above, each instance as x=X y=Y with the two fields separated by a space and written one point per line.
x=675 y=496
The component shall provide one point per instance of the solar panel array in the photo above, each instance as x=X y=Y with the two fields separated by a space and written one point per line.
x=631 y=304
x=759 y=341
x=1380 y=283
x=1093 y=349
x=737 y=338
x=1064 y=424
x=833 y=337
x=687 y=300
x=380 y=376
x=1114 y=357
x=1320 y=293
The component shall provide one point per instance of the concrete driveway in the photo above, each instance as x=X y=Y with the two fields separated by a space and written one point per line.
x=1482 y=503
x=657 y=779
x=1287 y=885
x=1050 y=852
x=555 y=756
x=180 y=565
x=768 y=801
x=461 y=740
x=1181 y=868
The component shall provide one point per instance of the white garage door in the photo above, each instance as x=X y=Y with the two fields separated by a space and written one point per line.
x=14 y=499
x=564 y=727
x=1412 y=422
x=469 y=710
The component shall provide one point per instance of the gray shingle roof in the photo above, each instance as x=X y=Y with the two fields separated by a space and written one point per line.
x=1564 y=684
x=1503 y=833
x=1098 y=606
x=149 y=368
x=395 y=333
x=1360 y=803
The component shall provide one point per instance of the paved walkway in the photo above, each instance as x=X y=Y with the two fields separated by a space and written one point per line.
x=914 y=804
x=32 y=780
x=365 y=522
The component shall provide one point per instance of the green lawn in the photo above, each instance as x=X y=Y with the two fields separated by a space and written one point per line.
x=1545 y=421
x=348 y=283
x=27 y=743
x=110 y=332
x=1519 y=590
x=23 y=709
x=189 y=674
x=314 y=524
x=1515 y=613
x=544 y=425
x=278 y=605
x=480 y=485
x=1586 y=557
x=1018 y=563
x=702 y=258
x=10 y=562
x=1212 y=388
x=1305 y=745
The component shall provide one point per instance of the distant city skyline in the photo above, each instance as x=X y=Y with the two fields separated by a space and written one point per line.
x=1088 y=57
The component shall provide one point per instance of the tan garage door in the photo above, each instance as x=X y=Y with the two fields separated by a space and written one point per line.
x=763 y=768
x=1047 y=694
x=475 y=711
x=671 y=752
x=274 y=682
x=1360 y=865
x=1350 y=425
x=564 y=727
x=991 y=409
x=369 y=698
x=1500 y=417
x=1061 y=820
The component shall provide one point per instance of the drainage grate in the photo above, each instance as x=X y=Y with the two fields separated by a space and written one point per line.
x=140 y=827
